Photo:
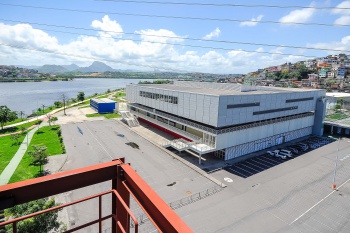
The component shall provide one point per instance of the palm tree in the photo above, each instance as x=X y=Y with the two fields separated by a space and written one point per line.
x=21 y=114
x=43 y=108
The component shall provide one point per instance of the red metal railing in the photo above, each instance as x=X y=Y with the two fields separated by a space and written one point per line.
x=125 y=181
x=99 y=220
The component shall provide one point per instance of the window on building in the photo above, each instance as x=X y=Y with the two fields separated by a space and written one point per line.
x=160 y=97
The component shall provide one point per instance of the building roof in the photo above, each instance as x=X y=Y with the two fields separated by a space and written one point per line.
x=104 y=100
x=337 y=94
x=221 y=88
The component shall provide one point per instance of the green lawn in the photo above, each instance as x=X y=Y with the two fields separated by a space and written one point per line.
x=106 y=115
x=120 y=94
x=19 y=127
x=45 y=136
x=7 y=150
x=103 y=96
x=336 y=116
x=15 y=121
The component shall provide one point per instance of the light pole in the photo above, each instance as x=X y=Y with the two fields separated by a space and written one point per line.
x=335 y=166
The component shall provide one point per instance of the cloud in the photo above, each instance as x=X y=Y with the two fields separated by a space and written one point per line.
x=213 y=34
x=299 y=16
x=253 y=22
x=343 y=44
x=344 y=4
x=146 y=51
x=344 y=13
x=108 y=26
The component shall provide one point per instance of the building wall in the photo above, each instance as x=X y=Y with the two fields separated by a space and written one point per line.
x=240 y=109
x=102 y=107
x=197 y=107
x=106 y=107
x=226 y=110
x=249 y=147
x=262 y=132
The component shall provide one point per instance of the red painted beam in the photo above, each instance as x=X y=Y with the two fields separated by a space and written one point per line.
x=164 y=129
x=33 y=189
x=160 y=213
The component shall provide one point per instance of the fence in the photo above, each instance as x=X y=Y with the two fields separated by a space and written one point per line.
x=143 y=218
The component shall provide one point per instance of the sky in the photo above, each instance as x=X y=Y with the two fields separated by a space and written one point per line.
x=135 y=35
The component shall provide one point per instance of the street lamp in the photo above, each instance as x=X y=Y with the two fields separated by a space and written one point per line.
x=335 y=166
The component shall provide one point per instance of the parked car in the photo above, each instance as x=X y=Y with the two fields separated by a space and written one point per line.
x=286 y=153
x=293 y=149
x=278 y=155
x=271 y=153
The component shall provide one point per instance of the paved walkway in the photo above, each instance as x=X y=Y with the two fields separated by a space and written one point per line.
x=12 y=166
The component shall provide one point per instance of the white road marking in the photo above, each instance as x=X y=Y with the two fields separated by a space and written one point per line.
x=229 y=180
x=318 y=202
x=103 y=148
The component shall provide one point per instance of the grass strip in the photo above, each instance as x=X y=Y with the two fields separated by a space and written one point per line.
x=336 y=116
x=106 y=115
x=19 y=128
x=45 y=136
x=8 y=149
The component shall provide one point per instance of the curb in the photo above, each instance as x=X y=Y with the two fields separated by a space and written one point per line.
x=188 y=164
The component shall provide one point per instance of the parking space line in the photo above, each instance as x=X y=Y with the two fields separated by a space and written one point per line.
x=261 y=164
x=244 y=176
x=240 y=168
x=251 y=163
x=273 y=160
x=250 y=168
x=265 y=161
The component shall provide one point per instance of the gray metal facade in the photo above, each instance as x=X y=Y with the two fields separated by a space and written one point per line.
x=223 y=106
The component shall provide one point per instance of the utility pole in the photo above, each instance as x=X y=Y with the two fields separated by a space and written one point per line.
x=335 y=166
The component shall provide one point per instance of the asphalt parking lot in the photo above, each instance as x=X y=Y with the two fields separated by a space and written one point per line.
x=93 y=142
x=263 y=194
x=294 y=195
x=261 y=163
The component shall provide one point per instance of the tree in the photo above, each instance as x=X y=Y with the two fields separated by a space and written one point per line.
x=81 y=96
x=43 y=108
x=53 y=119
x=64 y=100
x=39 y=156
x=57 y=104
x=6 y=115
x=337 y=107
x=41 y=223
x=49 y=117
x=21 y=114
x=340 y=102
x=15 y=138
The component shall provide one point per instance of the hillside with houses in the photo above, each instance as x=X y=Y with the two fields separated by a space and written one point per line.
x=331 y=73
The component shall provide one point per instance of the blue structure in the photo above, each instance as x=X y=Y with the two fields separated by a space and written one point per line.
x=103 y=105
x=341 y=72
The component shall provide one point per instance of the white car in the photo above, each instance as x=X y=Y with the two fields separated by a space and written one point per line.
x=278 y=155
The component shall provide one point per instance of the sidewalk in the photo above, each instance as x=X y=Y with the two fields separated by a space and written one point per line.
x=12 y=166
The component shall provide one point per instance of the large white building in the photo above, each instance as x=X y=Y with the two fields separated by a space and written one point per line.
x=229 y=119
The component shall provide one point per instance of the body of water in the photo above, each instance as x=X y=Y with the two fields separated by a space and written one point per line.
x=29 y=96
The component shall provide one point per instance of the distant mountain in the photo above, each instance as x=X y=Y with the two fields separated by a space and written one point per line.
x=52 y=69
x=28 y=67
x=96 y=66
x=71 y=67
x=57 y=69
